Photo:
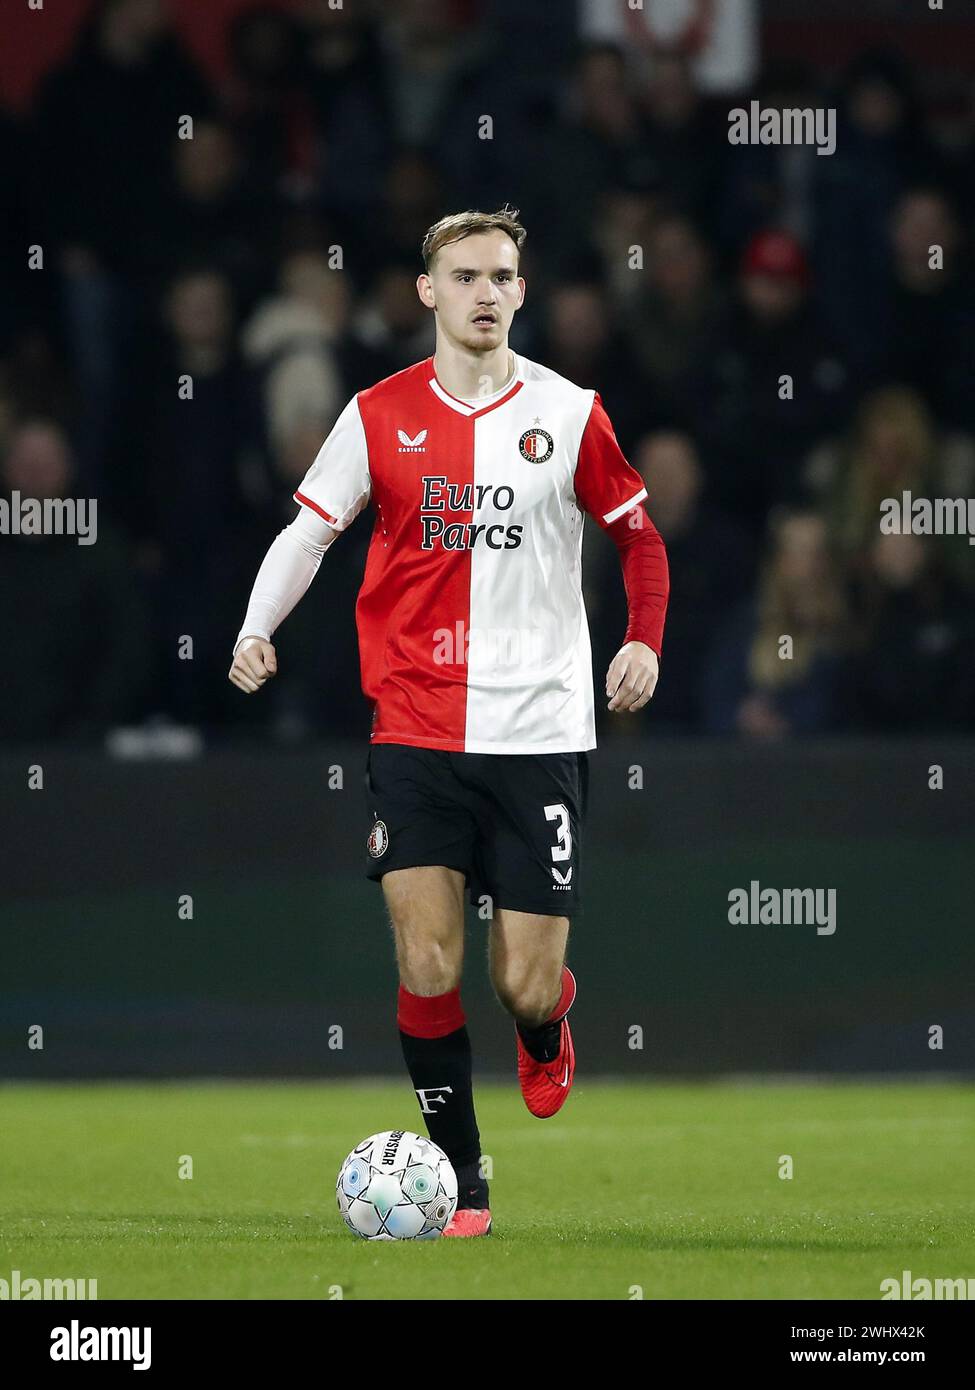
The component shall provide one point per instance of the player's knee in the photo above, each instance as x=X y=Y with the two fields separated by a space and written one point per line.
x=529 y=995
x=427 y=966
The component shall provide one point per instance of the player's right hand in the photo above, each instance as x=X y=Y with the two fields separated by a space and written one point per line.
x=254 y=663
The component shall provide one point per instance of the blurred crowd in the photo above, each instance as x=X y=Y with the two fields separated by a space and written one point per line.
x=764 y=325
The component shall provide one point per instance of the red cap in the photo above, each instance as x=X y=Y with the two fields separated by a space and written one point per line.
x=778 y=254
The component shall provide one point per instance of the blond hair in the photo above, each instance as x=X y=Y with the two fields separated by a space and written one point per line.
x=814 y=614
x=861 y=490
x=459 y=225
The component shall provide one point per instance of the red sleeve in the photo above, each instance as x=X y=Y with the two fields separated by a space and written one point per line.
x=606 y=486
x=645 y=576
x=612 y=491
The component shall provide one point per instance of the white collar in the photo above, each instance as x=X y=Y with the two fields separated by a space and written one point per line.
x=480 y=403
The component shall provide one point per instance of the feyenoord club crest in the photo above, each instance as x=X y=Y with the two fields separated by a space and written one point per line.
x=536 y=445
x=378 y=841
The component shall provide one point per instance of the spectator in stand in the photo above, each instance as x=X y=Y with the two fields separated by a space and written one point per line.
x=192 y=500
x=290 y=342
x=208 y=215
x=312 y=315
x=318 y=692
x=773 y=384
x=930 y=324
x=104 y=126
x=580 y=343
x=446 y=72
x=344 y=149
x=36 y=380
x=772 y=185
x=269 y=109
x=431 y=50
x=621 y=219
x=392 y=321
x=686 y=144
x=893 y=448
x=915 y=667
x=195 y=423
x=881 y=150
x=711 y=569
x=69 y=600
x=673 y=319
x=412 y=196
x=599 y=146
x=778 y=666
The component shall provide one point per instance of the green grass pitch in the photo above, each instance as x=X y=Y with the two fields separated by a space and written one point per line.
x=672 y=1190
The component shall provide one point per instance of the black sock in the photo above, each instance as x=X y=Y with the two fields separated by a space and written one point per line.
x=440 y=1069
x=542 y=1042
x=472 y=1189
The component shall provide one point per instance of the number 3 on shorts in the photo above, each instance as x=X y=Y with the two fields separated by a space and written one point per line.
x=563 y=850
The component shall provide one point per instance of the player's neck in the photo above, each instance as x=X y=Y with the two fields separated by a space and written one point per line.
x=470 y=374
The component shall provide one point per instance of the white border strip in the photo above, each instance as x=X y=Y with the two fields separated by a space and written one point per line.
x=624 y=507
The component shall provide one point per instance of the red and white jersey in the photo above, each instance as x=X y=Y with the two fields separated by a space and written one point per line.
x=472 y=628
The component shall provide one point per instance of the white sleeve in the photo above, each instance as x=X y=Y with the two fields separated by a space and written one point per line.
x=289 y=566
x=337 y=485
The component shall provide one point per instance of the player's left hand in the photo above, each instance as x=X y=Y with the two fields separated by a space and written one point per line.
x=632 y=676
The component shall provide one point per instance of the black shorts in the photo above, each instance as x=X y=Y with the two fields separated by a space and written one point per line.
x=511 y=823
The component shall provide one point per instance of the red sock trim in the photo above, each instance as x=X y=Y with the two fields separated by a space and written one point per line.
x=566 y=997
x=429 y=1016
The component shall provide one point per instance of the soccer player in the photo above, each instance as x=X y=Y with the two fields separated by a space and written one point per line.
x=475 y=655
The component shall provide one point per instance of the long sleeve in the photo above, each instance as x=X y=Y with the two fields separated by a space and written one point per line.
x=646 y=576
x=612 y=491
x=286 y=572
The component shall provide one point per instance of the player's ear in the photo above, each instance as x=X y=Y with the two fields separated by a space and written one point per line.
x=521 y=286
x=424 y=288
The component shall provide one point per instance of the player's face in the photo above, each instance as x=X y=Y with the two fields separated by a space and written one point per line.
x=475 y=290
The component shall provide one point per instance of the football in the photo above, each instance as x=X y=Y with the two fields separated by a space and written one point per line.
x=397 y=1186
